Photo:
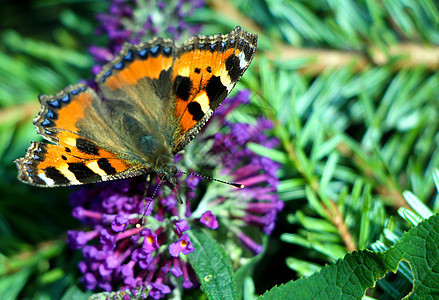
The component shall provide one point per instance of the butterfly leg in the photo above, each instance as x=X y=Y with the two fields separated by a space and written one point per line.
x=147 y=185
x=145 y=207
x=177 y=195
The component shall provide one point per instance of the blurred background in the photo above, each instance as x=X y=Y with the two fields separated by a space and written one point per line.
x=351 y=88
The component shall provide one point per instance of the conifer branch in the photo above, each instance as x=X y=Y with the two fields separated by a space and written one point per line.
x=336 y=217
x=338 y=220
x=386 y=188
x=407 y=55
x=404 y=55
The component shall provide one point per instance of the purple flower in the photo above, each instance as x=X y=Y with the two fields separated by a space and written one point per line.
x=140 y=21
x=182 y=226
x=108 y=266
x=183 y=245
x=90 y=281
x=78 y=239
x=107 y=240
x=176 y=270
x=150 y=241
x=249 y=243
x=209 y=220
x=123 y=250
x=101 y=54
x=159 y=290
x=119 y=223
x=142 y=257
x=187 y=283
x=241 y=98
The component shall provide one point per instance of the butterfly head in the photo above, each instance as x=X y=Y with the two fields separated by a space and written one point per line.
x=169 y=173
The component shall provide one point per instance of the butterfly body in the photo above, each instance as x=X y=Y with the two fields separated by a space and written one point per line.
x=152 y=100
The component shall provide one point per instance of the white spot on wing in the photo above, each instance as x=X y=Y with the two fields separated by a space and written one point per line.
x=184 y=72
x=203 y=100
x=95 y=168
x=70 y=141
x=47 y=180
x=225 y=78
x=242 y=62
x=64 y=169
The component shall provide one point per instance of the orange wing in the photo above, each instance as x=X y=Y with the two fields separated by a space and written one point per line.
x=50 y=165
x=205 y=71
x=177 y=89
x=156 y=98
x=73 y=158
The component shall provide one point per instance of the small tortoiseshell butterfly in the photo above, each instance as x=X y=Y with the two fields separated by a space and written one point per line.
x=153 y=100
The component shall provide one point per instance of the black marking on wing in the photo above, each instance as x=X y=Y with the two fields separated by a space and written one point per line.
x=81 y=172
x=182 y=87
x=105 y=166
x=232 y=67
x=86 y=146
x=214 y=88
x=195 y=110
x=55 y=175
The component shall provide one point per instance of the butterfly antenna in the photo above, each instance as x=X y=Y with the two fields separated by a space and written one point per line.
x=148 y=181
x=237 y=185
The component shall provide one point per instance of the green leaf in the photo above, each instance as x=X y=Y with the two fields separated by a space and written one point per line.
x=75 y=293
x=243 y=276
x=212 y=266
x=273 y=154
x=351 y=276
x=44 y=50
x=10 y=286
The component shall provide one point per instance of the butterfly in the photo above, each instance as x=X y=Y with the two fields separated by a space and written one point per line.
x=152 y=100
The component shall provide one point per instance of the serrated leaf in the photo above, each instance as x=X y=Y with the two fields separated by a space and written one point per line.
x=351 y=276
x=212 y=266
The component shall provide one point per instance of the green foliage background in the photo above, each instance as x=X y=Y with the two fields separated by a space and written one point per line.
x=352 y=87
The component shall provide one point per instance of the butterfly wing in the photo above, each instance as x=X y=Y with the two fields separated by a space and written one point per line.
x=206 y=69
x=154 y=99
x=137 y=90
x=73 y=158
x=173 y=91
